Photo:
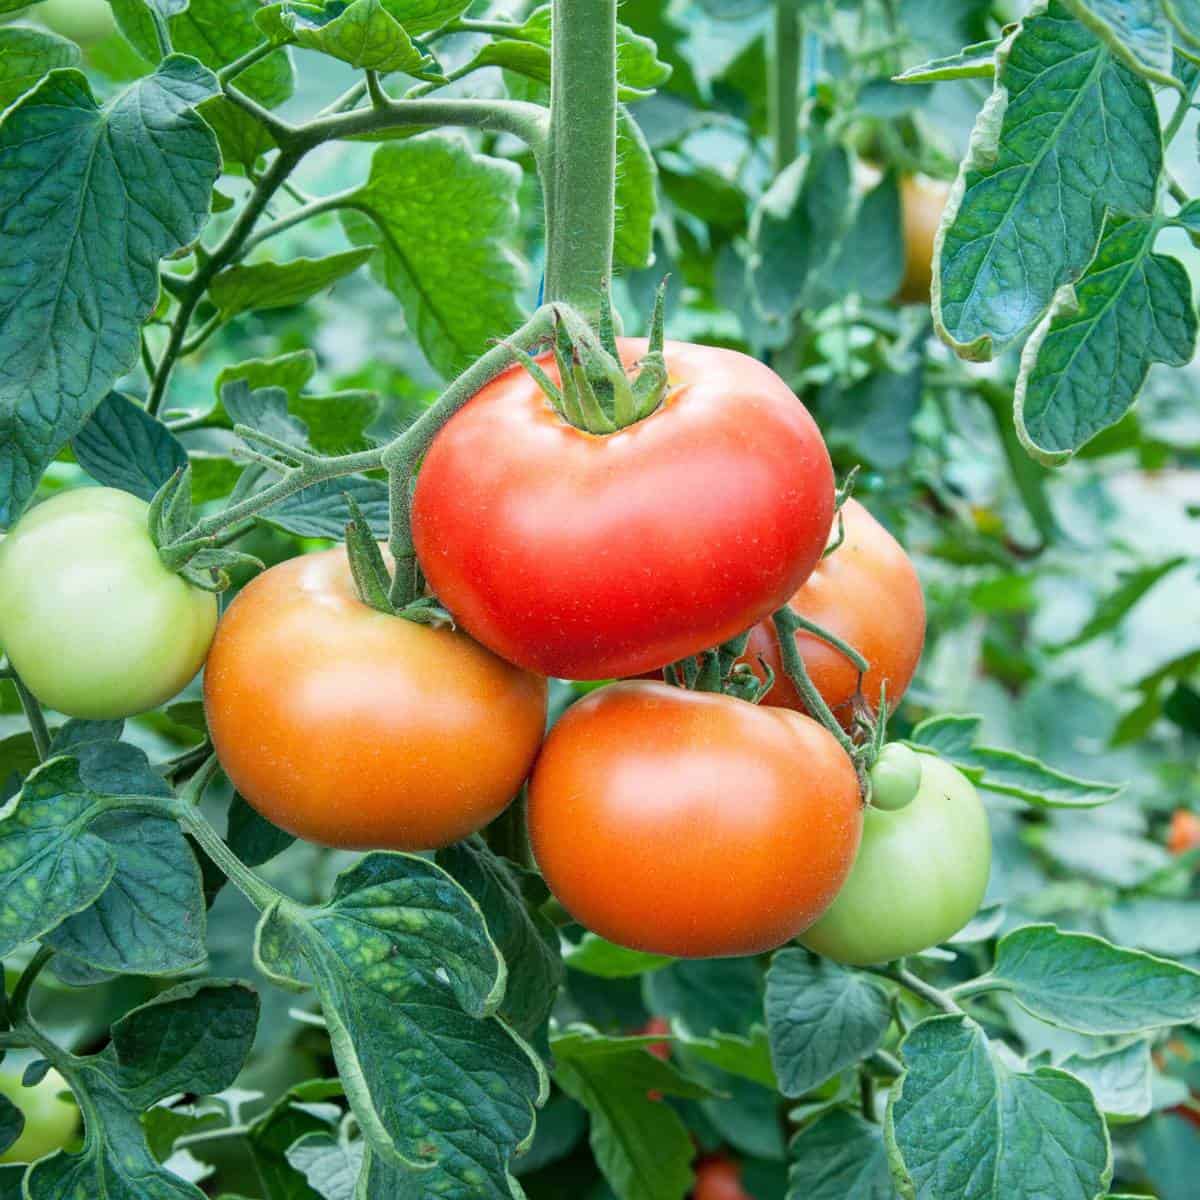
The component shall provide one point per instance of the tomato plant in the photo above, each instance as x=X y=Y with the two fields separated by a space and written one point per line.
x=645 y=769
x=588 y=556
x=318 y=707
x=93 y=620
x=452 y=359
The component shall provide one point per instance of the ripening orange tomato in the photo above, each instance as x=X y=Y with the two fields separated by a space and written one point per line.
x=1184 y=834
x=691 y=823
x=921 y=203
x=867 y=592
x=354 y=728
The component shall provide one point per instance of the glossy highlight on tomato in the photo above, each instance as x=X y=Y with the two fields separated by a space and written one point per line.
x=867 y=593
x=586 y=556
x=93 y=622
x=690 y=823
x=920 y=874
x=354 y=728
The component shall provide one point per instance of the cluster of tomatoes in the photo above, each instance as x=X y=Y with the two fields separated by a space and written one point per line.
x=673 y=820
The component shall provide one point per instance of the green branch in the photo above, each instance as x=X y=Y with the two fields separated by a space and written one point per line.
x=784 y=83
x=914 y=983
x=402 y=455
x=31 y=707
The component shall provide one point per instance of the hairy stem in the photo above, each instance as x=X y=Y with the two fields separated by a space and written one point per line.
x=32 y=709
x=580 y=169
x=900 y=974
x=403 y=454
x=784 y=82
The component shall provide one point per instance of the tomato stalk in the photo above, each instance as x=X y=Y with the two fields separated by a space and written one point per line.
x=784 y=83
x=579 y=176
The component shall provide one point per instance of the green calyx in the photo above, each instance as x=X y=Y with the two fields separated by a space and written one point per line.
x=202 y=561
x=719 y=670
x=373 y=580
x=595 y=392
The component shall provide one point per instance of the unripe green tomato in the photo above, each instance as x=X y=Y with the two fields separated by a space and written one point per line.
x=50 y=1122
x=92 y=621
x=919 y=877
x=895 y=777
x=83 y=21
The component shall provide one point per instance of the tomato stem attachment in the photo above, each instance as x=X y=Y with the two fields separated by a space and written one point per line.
x=32 y=708
x=787 y=624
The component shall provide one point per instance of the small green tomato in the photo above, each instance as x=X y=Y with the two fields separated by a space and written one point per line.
x=83 y=21
x=895 y=777
x=92 y=621
x=50 y=1122
x=919 y=877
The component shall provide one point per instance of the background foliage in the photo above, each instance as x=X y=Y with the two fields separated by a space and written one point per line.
x=1062 y=601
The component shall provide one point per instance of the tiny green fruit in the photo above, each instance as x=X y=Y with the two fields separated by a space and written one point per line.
x=50 y=1121
x=895 y=777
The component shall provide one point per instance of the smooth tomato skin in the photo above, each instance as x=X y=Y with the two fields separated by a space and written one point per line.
x=719 y=1179
x=92 y=621
x=689 y=823
x=50 y=1123
x=867 y=592
x=591 y=557
x=920 y=875
x=1184 y=833
x=921 y=203
x=353 y=728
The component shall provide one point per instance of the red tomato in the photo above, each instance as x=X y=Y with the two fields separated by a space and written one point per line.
x=1184 y=834
x=587 y=556
x=659 y=1026
x=719 y=1179
x=867 y=592
x=354 y=728
x=690 y=823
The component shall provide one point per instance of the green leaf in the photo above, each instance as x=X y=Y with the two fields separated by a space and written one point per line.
x=528 y=941
x=123 y=446
x=1084 y=365
x=288 y=371
x=796 y=226
x=708 y=995
x=18 y=756
x=1006 y=771
x=1135 y=30
x=330 y=1164
x=320 y=511
x=526 y=50
x=26 y=55
x=870 y=259
x=363 y=33
x=217 y=32
x=977 y=61
x=964 y=1124
x=1118 y=1079
x=407 y=976
x=636 y=196
x=1068 y=133
x=640 y=1144
x=251 y=836
x=444 y=218
x=595 y=956
x=1113 y=608
x=821 y=1018
x=200 y=1033
x=838 y=1157
x=264 y=409
x=1084 y=983
x=12 y=1123
x=79 y=246
x=747 y=1057
x=300 y=1111
x=281 y=285
x=1159 y=925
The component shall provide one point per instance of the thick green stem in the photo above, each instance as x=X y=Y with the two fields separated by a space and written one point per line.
x=402 y=455
x=914 y=983
x=784 y=82
x=793 y=667
x=581 y=159
x=1029 y=477
x=33 y=714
